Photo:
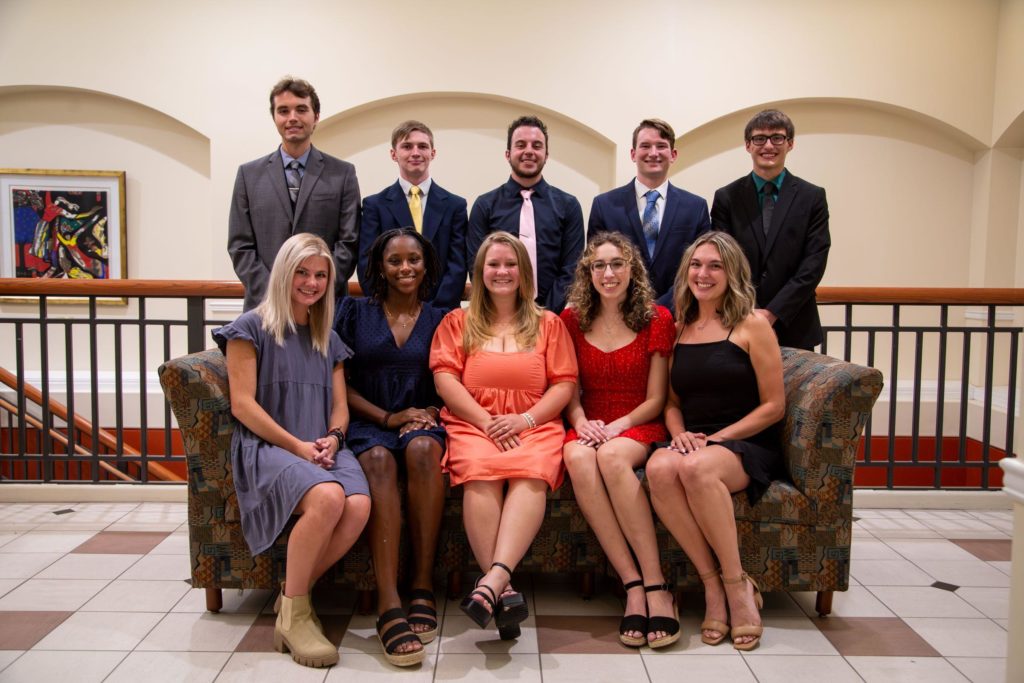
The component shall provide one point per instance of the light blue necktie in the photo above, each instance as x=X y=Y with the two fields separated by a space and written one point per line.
x=651 y=220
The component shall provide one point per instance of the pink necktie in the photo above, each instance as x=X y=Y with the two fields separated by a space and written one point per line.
x=528 y=231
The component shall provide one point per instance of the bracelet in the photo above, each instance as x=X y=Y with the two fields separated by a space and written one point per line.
x=339 y=435
x=384 y=422
x=530 y=422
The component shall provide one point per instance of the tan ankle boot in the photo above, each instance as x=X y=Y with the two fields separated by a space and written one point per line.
x=295 y=632
x=312 y=612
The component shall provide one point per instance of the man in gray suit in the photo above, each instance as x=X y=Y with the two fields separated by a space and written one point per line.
x=297 y=188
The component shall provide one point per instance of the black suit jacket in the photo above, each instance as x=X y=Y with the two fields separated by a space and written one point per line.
x=444 y=226
x=686 y=216
x=262 y=217
x=788 y=264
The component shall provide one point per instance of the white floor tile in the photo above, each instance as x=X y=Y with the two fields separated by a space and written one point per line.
x=175 y=544
x=962 y=637
x=47 y=541
x=100 y=631
x=7 y=585
x=889 y=573
x=193 y=632
x=375 y=669
x=137 y=596
x=992 y=602
x=696 y=669
x=51 y=594
x=855 y=602
x=981 y=669
x=1004 y=567
x=553 y=602
x=361 y=637
x=905 y=670
x=8 y=656
x=790 y=669
x=234 y=601
x=77 y=666
x=460 y=635
x=25 y=565
x=479 y=667
x=872 y=549
x=88 y=566
x=268 y=667
x=928 y=549
x=169 y=667
x=793 y=636
x=973 y=572
x=160 y=568
x=579 y=668
x=924 y=601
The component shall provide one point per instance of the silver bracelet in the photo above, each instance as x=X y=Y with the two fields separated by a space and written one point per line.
x=530 y=422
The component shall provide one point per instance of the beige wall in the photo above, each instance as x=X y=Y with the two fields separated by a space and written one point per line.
x=898 y=106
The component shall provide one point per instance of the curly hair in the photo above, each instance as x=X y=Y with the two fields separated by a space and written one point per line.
x=377 y=284
x=739 y=299
x=637 y=308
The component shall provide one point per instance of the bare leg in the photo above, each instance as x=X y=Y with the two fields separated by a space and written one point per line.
x=426 y=499
x=319 y=512
x=381 y=471
x=345 y=534
x=592 y=497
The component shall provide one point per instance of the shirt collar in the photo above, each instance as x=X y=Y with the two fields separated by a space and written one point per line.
x=406 y=186
x=760 y=182
x=513 y=188
x=287 y=158
x=642 y=189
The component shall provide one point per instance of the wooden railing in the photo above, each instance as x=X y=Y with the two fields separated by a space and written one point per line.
x=949 y=347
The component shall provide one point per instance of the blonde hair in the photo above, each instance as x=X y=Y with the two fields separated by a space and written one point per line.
x=480 y=314
x=739 y=299
x=638 y=307
x=275 y=310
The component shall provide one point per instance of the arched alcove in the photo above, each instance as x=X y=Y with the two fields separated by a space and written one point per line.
x=470 y=136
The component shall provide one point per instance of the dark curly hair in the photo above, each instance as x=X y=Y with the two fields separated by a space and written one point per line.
x=377 y=285
x=638 y=306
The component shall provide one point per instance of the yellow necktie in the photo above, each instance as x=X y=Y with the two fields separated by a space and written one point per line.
x=416 y=208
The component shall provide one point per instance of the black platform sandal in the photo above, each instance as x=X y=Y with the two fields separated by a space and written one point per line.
x=423 y=614
x=633 y=622
x=668 y=625
x=475 y=609
x=511 y=610
x=399 y=634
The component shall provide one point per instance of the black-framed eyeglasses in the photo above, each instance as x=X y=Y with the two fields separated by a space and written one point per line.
x=615 y=264
x=777 y=139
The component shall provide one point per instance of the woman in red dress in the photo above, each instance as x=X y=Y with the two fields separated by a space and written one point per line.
x=622 y=344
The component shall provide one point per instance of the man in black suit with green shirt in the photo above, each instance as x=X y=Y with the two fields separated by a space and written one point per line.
x=781 y=222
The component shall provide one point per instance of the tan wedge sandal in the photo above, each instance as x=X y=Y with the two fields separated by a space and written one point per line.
x=747 y=630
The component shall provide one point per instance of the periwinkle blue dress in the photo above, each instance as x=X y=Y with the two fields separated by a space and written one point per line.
x=294 y=385
x=390 y=377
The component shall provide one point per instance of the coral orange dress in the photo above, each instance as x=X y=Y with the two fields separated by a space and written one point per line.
x=504 y=383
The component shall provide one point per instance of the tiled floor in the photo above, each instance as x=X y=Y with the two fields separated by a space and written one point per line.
x=99 y=592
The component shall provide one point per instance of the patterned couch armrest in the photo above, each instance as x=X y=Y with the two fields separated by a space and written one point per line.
x=197 y=388
x=828 y=401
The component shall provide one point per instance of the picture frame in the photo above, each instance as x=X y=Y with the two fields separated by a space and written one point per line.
x=63 y=224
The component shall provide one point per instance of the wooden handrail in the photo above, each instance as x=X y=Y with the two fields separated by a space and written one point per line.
x=228 y=289
x=84 y=426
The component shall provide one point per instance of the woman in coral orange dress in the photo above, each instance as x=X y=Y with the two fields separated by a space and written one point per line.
x=505 y=369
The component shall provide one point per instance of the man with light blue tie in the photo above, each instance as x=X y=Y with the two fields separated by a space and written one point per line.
x=661 y=219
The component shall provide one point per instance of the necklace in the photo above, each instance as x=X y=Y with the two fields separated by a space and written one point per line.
x=410 y=317
x=702 y=325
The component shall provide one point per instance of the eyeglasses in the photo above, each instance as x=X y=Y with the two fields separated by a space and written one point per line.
x=777 y=139
x=616 y=265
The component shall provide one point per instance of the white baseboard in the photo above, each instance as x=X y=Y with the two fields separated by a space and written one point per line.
x=931 y=500
x=94 y=493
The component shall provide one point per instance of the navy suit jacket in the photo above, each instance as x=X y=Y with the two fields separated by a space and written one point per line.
x=685 y=217
x=444 y=226
x=788 y=264
x=262 y=217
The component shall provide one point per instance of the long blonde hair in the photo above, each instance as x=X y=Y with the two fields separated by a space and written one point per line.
x=739 y=299
x=275 y=310
x=480 y=314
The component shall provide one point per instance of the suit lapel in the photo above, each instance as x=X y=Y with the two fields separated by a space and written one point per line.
x=434 y=211
x=314 y=167
x=627 y=200
x=668 y=218
x=275 y=167
x=398 y=205
x=787 y=195
x=752 y=212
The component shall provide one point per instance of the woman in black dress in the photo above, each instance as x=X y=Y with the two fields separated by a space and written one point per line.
x=725 y=400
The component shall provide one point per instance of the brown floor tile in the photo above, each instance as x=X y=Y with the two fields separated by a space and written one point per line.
x=260 y=636
x=580 y=635
x=874 y=636
x=22 y=630
x=123 y=542
x=984 y=549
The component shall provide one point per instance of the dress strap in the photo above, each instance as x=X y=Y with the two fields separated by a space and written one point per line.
x=730 y=333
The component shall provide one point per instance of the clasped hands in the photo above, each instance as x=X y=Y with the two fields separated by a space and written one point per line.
x=412 y=419
x=593 y=433
x=320 y=452
x=688 y=442
x=504 y=430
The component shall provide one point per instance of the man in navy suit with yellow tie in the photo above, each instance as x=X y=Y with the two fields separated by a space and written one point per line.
x=296 y=188
x=660 y=218
x=416 y=200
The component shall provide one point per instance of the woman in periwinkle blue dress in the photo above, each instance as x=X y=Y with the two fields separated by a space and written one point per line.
x=288 y=451
x=395 y=427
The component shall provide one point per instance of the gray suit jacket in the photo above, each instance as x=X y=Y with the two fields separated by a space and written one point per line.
x=262 y=217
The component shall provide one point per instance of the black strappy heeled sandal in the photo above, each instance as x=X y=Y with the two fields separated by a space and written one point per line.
x=476 y=610
x=511 y=610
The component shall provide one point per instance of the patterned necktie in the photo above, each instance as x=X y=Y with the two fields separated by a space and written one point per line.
x=294 y=179
x=416 y=208
x=768 y=207
x=528 y=232
x=650 y=220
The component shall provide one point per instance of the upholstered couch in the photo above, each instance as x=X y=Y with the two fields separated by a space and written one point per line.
x=796 y=538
